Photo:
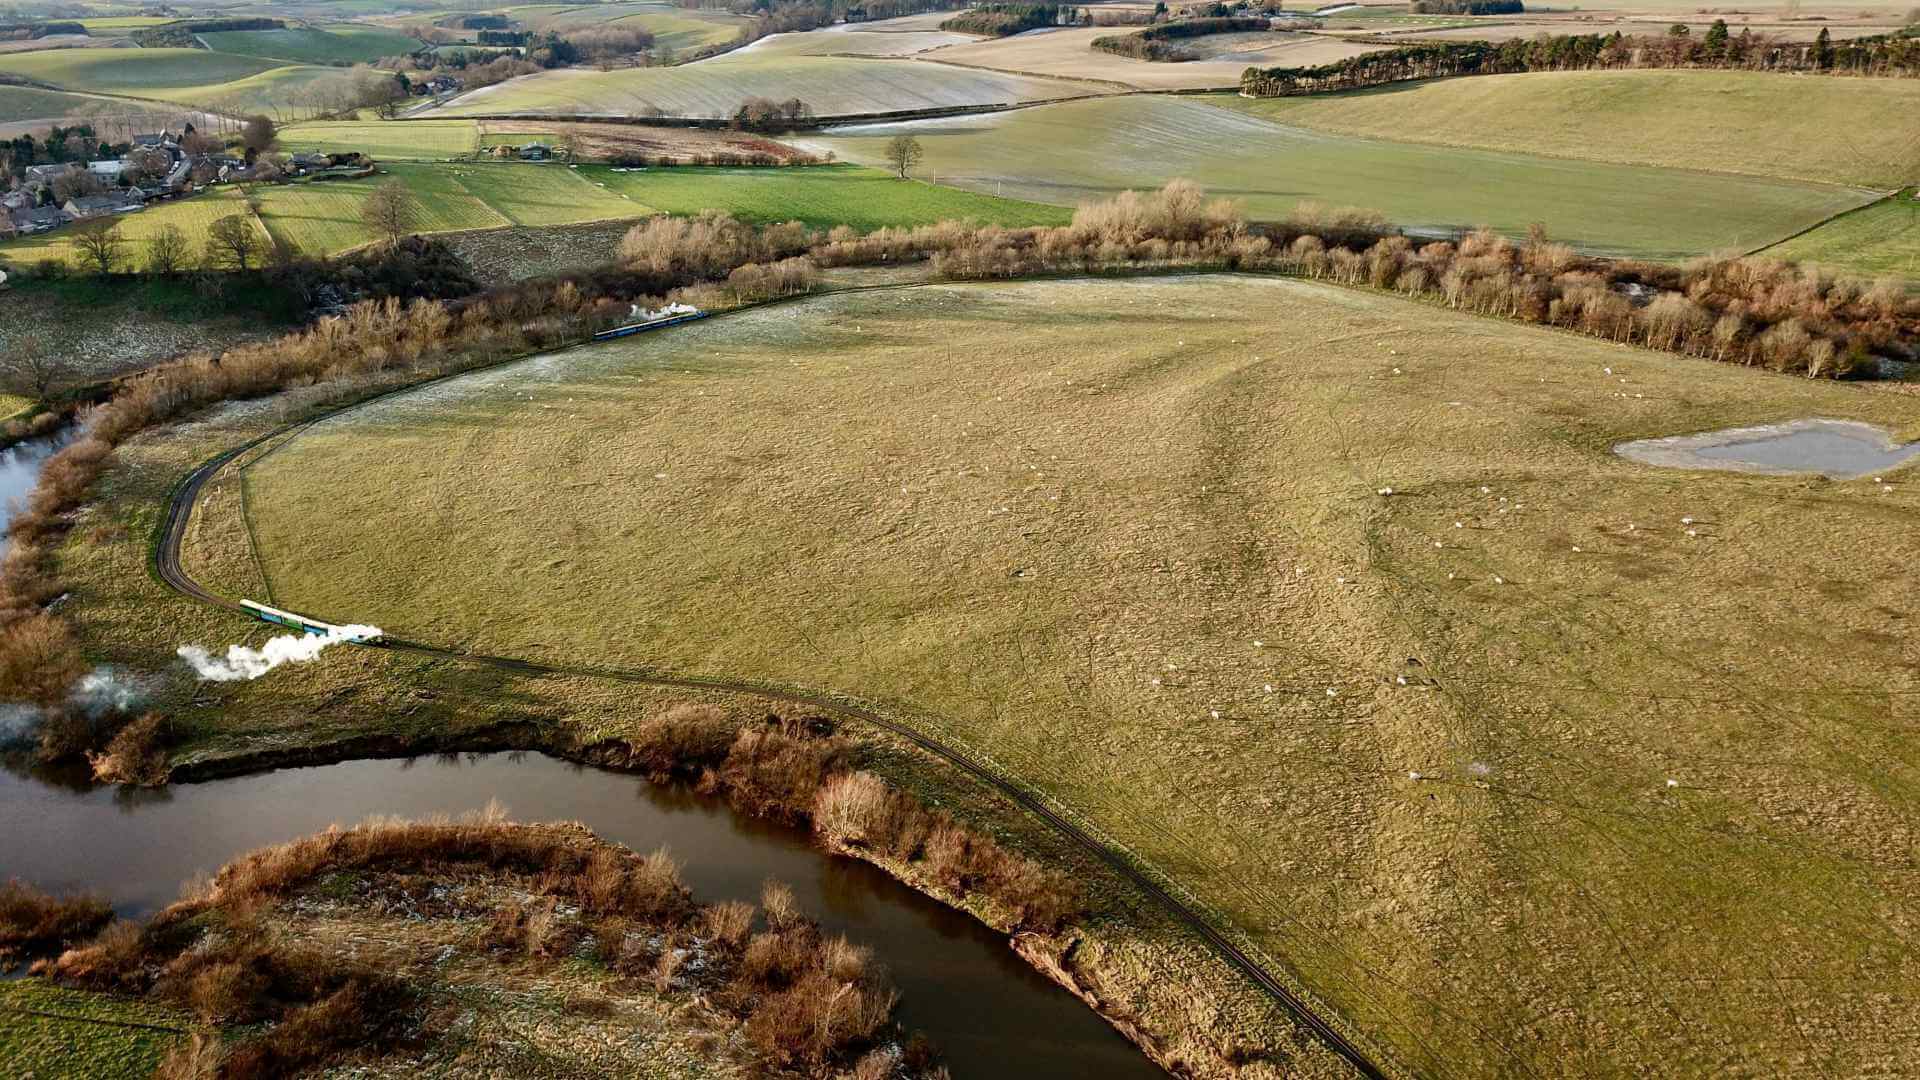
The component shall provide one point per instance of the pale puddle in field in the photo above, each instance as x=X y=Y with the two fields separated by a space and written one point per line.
x=1840 y=449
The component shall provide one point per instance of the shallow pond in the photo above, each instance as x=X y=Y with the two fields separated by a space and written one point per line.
x=990 y=1014
x=1841 y=449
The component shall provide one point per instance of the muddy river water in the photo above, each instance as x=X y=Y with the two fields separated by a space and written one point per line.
x=988 y=1011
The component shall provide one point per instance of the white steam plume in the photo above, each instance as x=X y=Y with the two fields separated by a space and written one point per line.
x=19 y=725
x=105 y=690
x=244 y=663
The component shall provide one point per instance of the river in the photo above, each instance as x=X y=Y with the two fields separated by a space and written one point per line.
x=987 y=1010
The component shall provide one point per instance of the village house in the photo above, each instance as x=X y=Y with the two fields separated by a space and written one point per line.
x=39 y=219
x=110 y=171
x=45 y=175
x=82 y=207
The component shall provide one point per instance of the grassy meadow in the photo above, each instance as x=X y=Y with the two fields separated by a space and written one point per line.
x=1839 y=131
x=19 y=104
x=1072 y=151
x=133 y=72
x=820 y=195
x=833 y=85
x=1880 y=239
x=72 y=1033
x=192 y=216
x=415 y=140
x=324 y=218
x=338 y=44
x=1510 y=769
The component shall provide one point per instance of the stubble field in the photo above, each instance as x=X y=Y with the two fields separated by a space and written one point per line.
x=1510 y=769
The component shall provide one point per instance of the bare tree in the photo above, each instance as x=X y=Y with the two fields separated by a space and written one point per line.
x=30 y=371
x=390 y=212
x=903 y=153
x=167 y=251
x=260 y=134
x=233 y=243
x=100 y=243
x=75 y=183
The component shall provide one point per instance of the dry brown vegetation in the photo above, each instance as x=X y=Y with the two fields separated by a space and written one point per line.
x=798 y=771
x=805 y=1002
x=34 y=924
x=1752 y=311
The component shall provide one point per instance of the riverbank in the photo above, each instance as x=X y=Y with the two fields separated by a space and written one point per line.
x=1136 y=965
x=478 y=946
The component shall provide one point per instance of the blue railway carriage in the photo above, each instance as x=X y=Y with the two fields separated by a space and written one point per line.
x=299 y=622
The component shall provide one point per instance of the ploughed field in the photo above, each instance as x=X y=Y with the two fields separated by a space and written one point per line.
x=1076 y=150
x=1516 y=768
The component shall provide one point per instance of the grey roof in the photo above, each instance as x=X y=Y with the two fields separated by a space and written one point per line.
x=40 y=215
x=102 y=202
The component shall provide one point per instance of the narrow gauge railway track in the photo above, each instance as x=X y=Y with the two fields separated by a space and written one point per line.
x=167 y=566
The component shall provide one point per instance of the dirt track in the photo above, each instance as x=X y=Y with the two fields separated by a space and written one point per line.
x=167 y=566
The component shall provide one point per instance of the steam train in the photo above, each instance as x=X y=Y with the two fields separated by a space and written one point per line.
x=302 y=623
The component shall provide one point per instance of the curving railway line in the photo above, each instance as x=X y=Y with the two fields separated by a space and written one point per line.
x=167 y=566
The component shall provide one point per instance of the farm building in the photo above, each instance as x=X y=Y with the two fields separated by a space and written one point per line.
x=92 y=206
x=535 y=152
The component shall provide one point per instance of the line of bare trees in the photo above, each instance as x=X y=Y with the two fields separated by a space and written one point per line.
x=1886 y=55
x=1753 y=311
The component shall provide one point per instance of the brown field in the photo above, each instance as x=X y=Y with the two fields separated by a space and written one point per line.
x=1516 y=770
x=1068 y=53
x=604 y=142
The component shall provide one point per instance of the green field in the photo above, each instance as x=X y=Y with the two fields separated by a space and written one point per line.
x=680 y=30
x=135 y=72
x=832 y=85
x=1843 y=131
x=544 y=194
x=122 y=25
x=820 y=195
x=1513 y=772
x=192 y=216
x=415 y=140
x=22 y=103
x=324 y=218
x=79 y=1034
x=1076 y=150
x=281 y=91
x=1880 y=239
x=342 y=43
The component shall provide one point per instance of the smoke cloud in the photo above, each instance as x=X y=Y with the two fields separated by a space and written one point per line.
x=242 y=663
x=19 y=726
x=107 y=690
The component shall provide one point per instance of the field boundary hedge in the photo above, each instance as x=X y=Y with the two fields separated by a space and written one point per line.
x=1884 y=56
x=1156 y=43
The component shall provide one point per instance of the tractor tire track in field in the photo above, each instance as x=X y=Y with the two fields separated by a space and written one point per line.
x=168 y=569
